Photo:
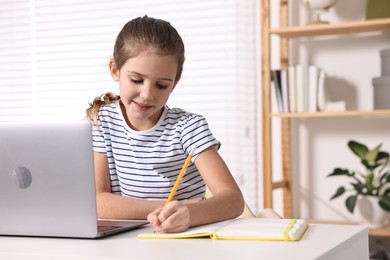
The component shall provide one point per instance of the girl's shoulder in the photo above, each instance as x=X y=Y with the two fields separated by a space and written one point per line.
x=180 y=115
x=110 y=109
x=181 y=119
x=110 y=113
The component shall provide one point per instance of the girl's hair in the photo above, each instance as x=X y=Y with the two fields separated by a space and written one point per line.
x=97 y=103
x=138 y=35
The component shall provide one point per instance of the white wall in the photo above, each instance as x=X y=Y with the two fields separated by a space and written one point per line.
x=320 y=145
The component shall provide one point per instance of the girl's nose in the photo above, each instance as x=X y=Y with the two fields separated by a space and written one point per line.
x=147 y=92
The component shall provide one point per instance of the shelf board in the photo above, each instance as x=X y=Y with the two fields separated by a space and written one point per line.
x=333 y=29
x=351 y=113
x=381 y=232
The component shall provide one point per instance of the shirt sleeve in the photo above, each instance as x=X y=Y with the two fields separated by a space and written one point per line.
x=196 y=132
x=98 y=142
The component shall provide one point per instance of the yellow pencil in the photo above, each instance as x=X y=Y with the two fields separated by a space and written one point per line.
x=181 y=174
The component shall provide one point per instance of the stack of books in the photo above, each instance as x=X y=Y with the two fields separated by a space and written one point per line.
x=301 y=88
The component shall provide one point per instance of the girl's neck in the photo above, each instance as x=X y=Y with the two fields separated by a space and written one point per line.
x=139 y=125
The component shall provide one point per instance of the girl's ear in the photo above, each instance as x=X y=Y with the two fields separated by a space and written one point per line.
x=113 y=70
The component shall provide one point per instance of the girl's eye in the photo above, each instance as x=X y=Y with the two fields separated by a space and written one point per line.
x=136 y=81
x=159 y=86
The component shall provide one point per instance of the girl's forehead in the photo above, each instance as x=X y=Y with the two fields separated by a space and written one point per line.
x=153 y=64
x=153 y=58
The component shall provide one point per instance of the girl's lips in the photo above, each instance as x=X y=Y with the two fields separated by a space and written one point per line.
x=142 y=107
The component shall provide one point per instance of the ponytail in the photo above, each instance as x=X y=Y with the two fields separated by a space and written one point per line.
x=97 y=103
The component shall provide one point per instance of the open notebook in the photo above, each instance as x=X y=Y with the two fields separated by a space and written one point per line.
x=243 y=229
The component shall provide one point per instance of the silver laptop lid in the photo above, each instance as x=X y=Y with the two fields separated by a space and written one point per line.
x=47 y=180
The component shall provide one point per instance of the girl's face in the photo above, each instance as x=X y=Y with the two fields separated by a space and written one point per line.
x=145 y=84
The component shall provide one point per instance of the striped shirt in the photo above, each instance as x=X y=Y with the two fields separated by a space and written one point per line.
x=145 y=164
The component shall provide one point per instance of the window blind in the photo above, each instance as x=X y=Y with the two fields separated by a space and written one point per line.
x=55 y=60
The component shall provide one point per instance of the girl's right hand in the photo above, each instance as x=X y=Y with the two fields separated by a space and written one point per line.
x=175 y=217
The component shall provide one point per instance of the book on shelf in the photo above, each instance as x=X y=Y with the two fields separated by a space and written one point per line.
x=300 y=88
x=321 y=95
x=284 y=88
x=242 y=229
x=275 y=77
x=291 y=89
x=312 y=88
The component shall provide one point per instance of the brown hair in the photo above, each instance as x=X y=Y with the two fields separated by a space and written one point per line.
x=136 y=36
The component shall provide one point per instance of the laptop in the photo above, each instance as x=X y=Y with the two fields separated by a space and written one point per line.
x=47 y=184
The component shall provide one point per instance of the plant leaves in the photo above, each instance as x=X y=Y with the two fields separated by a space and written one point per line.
x=371 y=156
x=385 y=177
x=339 y=192
x=382 y=155
x=339 y=172
x=358 y=187
x=370 y=166
x=383 y=159
x=350 y=203
x=384 y=202
x=359 y=149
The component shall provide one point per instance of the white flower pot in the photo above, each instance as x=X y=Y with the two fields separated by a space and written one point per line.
x=372 y=213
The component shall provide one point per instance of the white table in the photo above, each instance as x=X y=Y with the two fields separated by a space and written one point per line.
x=321 y=241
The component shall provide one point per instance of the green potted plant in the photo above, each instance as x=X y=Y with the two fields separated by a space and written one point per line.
x=374 y=182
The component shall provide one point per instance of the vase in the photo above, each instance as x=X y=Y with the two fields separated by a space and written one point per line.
x=318 y=7
x=372 y=213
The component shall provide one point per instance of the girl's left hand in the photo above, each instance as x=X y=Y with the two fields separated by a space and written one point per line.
x=175 y=217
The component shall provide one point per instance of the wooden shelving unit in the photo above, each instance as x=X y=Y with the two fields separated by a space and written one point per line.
x=380 y=232
x=379 y=25
x=350 y=113
x=286 y=33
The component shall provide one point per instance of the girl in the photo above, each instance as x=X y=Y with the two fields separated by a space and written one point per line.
x=140 y=144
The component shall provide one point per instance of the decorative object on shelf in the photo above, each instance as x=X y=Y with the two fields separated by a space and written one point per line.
x=324 y=103
x=377 y=9
x=374 y=184
x=381 y=92
x=382 y=84
x=385 y=62
x=318 y=7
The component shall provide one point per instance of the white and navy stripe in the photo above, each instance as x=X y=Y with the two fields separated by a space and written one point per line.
x=145 y=164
